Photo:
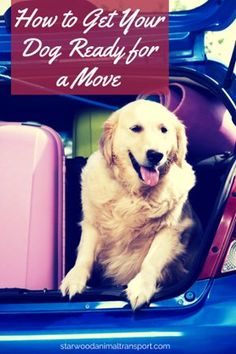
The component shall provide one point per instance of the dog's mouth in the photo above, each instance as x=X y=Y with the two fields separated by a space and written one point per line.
x=149 y=175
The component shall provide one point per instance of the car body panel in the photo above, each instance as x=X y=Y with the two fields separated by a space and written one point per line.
x=222 y=238
x=207 y=328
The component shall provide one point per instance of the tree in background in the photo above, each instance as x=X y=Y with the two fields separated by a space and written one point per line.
x=177 y=5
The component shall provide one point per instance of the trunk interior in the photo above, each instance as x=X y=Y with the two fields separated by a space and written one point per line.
x=214 y=171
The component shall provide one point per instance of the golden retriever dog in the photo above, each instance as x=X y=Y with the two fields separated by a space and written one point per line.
x=136 y=217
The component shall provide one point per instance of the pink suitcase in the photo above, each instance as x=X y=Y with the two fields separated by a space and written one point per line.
x=31 y=206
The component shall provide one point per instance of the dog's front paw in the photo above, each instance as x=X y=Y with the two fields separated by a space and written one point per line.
x=74 y=282
x=140 y=290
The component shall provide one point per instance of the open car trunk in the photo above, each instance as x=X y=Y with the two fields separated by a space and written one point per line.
x=215 y=168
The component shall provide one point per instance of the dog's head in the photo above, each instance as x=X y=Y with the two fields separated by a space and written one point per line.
x=141 y=141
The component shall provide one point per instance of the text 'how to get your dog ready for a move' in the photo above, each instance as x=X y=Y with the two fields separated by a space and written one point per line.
x=81 y=48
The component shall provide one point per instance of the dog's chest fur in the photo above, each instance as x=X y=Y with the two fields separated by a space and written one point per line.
x=131 y=214
x=127 y=226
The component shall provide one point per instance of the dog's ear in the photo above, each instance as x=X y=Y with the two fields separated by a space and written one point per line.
x=182 y=143
x=106 y=140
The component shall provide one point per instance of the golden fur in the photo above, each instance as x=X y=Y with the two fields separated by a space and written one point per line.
x=132 y=229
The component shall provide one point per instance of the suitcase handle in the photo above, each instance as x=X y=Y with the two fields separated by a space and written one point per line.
x=32 y=124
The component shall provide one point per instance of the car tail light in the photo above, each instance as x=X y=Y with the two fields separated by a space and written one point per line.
x=221 y=259
x=229 y=264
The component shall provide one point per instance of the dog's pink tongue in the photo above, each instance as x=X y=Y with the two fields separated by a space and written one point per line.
x=151 y=178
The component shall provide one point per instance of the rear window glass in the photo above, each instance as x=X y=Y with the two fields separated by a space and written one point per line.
x=218 y=45
x=179 y=5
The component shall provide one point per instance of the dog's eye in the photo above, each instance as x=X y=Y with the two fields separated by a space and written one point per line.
x=136 y=128
x=164 y=130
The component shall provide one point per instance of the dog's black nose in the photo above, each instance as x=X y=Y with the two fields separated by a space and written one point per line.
x=154 y=157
